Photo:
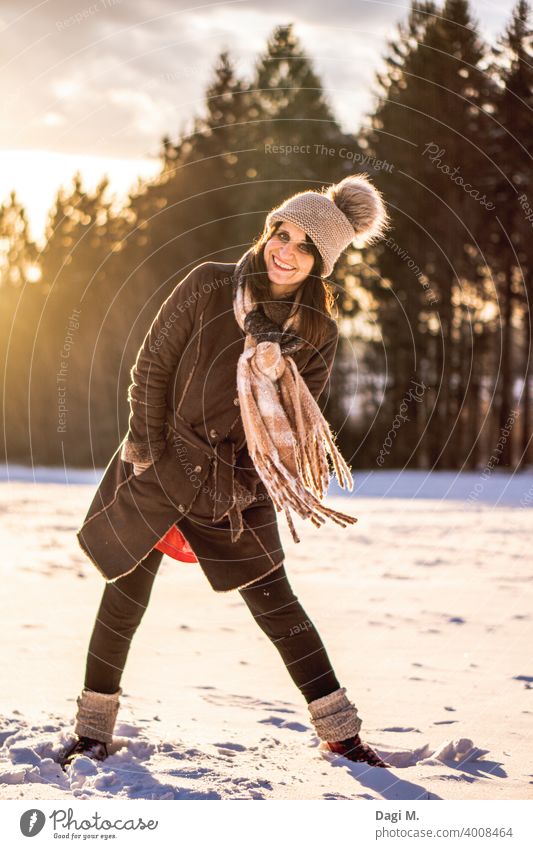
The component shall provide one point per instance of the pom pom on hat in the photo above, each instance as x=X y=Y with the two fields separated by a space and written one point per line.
x=363 y=206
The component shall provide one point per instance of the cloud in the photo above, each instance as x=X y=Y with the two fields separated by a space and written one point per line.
x=95 y=86
x=111 y=77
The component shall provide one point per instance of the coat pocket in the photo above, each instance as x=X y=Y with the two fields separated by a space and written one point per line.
x=181 y=470
x=141 y=473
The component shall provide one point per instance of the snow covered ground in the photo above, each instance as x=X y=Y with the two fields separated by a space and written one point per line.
x=425 y=606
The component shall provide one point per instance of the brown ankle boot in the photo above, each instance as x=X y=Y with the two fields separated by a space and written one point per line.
x=95 y=749
x=337 y=723
x=355 y=750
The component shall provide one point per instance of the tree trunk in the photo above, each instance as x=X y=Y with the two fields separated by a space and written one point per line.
x=526 y=397
x=506 y=378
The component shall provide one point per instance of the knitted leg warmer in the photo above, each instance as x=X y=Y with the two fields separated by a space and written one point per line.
x=334 y=717
x=96 y=715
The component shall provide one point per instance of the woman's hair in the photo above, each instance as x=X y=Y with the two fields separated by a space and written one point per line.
x=318 y=295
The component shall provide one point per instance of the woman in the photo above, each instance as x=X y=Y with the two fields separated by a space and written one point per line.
x=224 y=432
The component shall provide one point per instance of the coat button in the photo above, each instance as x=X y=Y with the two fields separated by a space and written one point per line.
x=213 y=433
x=181 y=508
x=197 y=468
x=236 y=401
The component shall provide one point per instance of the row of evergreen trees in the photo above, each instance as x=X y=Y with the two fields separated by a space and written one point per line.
x=436 y=324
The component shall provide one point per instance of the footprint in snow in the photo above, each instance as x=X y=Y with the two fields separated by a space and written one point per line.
x=236 y=700
x=400 y=728
x=230 y=748
x=282 y=723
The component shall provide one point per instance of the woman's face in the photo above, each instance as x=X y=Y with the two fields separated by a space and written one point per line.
x=288 y=259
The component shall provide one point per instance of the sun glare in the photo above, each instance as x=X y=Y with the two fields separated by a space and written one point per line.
x=36 y=176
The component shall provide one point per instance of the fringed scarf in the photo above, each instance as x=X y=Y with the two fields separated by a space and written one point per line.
x=287 y=437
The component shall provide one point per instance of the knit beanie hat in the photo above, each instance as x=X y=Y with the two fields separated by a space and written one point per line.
x=335 y=216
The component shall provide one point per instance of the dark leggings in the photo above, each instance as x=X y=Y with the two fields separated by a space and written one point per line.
x=271 y=601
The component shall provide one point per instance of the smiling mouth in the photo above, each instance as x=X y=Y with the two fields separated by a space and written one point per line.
x=277 y=264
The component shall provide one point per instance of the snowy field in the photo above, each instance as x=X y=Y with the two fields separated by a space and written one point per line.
x=425 y=607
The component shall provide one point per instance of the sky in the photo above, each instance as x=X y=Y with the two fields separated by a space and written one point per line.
x=94 y=86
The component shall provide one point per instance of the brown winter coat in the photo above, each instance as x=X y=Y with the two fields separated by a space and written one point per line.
x=184 y=415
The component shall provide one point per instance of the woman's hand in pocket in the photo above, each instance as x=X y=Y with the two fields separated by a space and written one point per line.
x=139 y=468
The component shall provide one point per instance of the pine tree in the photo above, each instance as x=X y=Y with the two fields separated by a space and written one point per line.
x=75 y=300
x=430 y=125
x=206 y=180
x=298 y=139
x=18 y=253
x=509 y=240
x=19 y=303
